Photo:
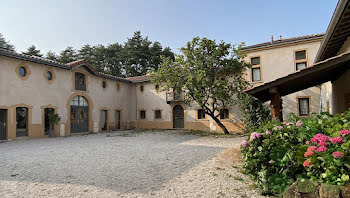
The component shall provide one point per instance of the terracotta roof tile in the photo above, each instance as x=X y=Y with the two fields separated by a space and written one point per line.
x=137 y=79
x=283 y=41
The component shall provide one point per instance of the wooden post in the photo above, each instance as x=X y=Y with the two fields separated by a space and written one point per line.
x=276 y=105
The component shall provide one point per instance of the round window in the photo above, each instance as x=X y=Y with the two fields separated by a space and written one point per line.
x=22 y=71
x=48 y=75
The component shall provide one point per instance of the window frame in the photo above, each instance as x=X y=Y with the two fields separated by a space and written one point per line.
x=298 y=105
x=202 y=118
x=26 y=68
x=53 y=75
x=301 y=60
x=259 y=66
x=140 y=114
x=85 y=80
x=228 y=114
x=155 y=114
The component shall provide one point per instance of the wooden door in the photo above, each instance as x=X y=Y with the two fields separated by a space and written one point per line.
x=79 y=115
x=3 y=124
x=178 y=117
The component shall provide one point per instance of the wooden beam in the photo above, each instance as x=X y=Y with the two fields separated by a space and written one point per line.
x=276 y=104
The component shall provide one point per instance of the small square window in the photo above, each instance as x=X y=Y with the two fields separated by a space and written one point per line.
x=200 y=114
x=304 y=106
x=256 y=74
x=300 y=66
x=224 y=114
x=300 y=55
x=104 y=85
x=142 y=114
x=255 y=61
x=158 y=114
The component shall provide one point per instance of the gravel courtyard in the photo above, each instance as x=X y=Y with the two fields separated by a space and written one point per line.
x=124 y=164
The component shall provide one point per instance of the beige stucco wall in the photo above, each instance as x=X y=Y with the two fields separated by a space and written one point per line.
x=35 y=93
x=340 y=89
x=278 y=62
x=151 y=100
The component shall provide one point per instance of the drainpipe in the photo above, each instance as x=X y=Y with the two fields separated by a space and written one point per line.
x=136 y=121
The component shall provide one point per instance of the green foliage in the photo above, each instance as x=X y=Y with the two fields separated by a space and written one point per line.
x=210 y=73
x=32 y=51
x=254 y=111
x=5 y=44
x=275 y=160
x=51 y=56
x=68 y=55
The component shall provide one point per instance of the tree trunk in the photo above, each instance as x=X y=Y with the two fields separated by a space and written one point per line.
x=222 y=126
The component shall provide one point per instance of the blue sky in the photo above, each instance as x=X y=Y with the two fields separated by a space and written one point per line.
x=55 y=24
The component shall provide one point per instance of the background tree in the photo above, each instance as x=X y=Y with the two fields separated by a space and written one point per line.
x=211 y=75
x=136 y=55
x=113 y=59
x=68 y=55
x=32 y=51
x=5 y=44
x=51 y=56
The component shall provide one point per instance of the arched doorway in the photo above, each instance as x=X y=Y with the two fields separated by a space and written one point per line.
x=178 y=117
x=79 y=115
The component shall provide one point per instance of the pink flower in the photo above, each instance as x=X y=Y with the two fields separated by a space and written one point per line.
x=322 y=144
x=299 y=123
x=312 y=148
x=345 y=132
x=307 y=142
x=309 y=153
x=321 y=149
x=338 y=154
x=337 y=140
x=268 y=132
x=245 y=144
x=319 y=138
x=306 y=163
x=285 y=122
x=280 y=128
x=246 y=110
x=254 y=135
x=271 y=162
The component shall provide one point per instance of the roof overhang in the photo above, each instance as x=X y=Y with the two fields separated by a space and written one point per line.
x=321 y=72
x=337 y=32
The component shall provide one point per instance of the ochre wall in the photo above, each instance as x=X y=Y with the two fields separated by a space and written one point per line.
x=35 y=93
x=278 y=62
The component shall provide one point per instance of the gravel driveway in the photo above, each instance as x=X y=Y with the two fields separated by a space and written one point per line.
x=123 y=164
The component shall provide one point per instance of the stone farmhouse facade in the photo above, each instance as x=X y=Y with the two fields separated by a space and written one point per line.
x=302 y=75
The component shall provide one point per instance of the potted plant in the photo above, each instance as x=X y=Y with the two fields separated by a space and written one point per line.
x=53 y=120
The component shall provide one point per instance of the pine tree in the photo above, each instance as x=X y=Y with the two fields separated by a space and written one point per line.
x=51 y=56
x=5 y=44
x=68 y=55
x=32 y=51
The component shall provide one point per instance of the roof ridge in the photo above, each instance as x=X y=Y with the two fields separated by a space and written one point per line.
x=285 y=40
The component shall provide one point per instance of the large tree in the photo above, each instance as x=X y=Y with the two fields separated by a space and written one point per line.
x=5 y=44
x=210 y=73
x=51 y=56
x=68 y=55
x=33 y=51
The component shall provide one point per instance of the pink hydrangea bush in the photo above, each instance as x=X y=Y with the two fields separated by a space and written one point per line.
x=327 y=158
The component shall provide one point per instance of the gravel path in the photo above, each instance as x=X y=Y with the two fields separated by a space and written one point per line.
x=123 y=164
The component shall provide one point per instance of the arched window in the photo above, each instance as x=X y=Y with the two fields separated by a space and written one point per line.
x=79 y=101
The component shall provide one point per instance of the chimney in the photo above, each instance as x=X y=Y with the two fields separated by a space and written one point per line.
x=280 y=37
x=271 y=38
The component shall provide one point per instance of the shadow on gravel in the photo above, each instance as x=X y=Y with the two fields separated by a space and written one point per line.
x=122 y=161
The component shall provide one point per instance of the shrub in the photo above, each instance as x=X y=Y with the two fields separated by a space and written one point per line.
x=274 y=155
x=327 y=158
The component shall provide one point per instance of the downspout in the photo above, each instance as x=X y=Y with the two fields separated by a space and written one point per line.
x=136 y=121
